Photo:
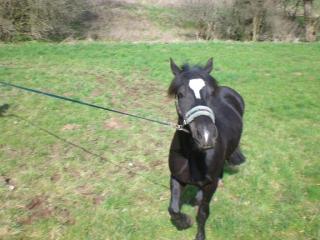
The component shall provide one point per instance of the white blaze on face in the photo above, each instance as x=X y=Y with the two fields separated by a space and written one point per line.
x=206 y=135
x=196 y=85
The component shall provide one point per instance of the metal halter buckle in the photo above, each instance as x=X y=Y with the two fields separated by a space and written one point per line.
x=180 y=127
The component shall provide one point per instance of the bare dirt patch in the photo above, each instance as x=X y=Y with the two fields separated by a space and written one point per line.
x=97 y=92
x=70 y=127
x=97 y=200
x=84 y=190
x=4 y=232
x=64 y=216
x=72 y=172
x=56 y=152
x=114 y=123
x=38 y=208
x=55 y=177
x=89 y=193
x=9 y=182
x=156 y=163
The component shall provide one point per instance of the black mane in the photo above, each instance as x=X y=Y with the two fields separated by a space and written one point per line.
x=189 y=72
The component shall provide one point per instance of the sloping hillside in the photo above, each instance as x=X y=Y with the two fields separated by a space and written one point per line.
x=130 y=20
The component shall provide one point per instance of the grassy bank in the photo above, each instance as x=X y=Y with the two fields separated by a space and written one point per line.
x=52 y=190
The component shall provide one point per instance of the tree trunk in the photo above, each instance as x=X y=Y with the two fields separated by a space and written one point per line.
x=256 y=25
x=258 y=15
x=309 y=20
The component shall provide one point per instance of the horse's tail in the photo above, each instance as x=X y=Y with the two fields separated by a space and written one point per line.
x=237 y=157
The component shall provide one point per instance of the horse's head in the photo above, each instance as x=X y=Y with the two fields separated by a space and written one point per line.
x=194 y=89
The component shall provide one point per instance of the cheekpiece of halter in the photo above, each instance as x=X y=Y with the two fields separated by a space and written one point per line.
x=198 y=111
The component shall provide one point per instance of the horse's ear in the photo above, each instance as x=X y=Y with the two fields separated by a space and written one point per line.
x=209 y=66
x=174 y=68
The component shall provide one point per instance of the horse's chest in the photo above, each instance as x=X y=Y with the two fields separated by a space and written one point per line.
x=197 y=168
x=188 y=169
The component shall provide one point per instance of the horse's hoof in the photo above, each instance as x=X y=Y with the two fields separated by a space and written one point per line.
x=181 y=221
x=200 y=236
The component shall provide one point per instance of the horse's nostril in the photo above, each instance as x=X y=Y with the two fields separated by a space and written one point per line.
x=199 y=135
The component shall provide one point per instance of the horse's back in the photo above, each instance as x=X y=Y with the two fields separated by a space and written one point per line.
x=230 y=115
x=232 y=98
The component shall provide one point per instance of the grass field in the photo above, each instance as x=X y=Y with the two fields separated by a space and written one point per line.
x=51 y=189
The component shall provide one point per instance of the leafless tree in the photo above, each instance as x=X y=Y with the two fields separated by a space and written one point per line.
x=254 y=20
x=310 y=21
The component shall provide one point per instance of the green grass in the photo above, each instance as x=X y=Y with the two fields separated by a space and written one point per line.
x=62 y=192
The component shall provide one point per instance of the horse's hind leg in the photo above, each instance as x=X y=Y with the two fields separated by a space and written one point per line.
x=237 y=157
x=179 y=219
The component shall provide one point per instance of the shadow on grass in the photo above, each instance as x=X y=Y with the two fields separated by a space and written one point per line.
x=3 y=109
x=74 y=145
x=230 y=169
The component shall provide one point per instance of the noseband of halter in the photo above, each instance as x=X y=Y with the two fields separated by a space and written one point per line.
x=198 y=111
x=193 y=113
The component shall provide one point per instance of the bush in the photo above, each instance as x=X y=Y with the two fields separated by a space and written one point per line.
x=43 y=19
x=255 y=20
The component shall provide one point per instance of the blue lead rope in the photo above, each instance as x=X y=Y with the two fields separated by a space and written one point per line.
x=88 y=104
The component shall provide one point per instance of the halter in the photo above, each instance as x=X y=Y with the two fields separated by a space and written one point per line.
x=192 y=114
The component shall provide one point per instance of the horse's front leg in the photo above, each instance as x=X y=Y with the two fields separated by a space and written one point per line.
x=179 y=219
x=204 y=210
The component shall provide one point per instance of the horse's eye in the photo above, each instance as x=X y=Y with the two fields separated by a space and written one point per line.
x=179 y=95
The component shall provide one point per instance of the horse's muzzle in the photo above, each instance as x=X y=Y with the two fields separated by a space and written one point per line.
x=204 y=132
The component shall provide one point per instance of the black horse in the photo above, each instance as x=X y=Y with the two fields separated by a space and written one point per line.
x=211 y=117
